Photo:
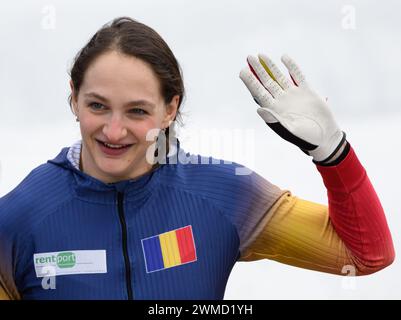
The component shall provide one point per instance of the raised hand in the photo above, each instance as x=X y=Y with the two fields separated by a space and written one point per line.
x=291 y=108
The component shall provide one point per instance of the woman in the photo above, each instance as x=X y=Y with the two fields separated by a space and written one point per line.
x=118 y=216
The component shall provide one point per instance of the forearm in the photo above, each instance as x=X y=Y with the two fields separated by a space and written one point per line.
x=300 y=233
x=350 y=231
x=357 y=214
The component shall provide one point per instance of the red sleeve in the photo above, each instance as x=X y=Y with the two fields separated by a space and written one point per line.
x=356 y=213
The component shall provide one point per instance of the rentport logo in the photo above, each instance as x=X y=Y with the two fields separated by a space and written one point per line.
x=63 y=260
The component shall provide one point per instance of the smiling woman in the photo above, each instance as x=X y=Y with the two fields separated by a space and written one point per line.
x=124 y=82
x=118 y=103
x=117 y=224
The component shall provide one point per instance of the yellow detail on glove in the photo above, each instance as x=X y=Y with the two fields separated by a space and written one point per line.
x=267 y=69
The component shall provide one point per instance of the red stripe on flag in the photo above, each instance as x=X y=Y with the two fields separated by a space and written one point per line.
x=186 y=244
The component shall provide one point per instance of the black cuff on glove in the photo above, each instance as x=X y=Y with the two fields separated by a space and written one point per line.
x=336 y=158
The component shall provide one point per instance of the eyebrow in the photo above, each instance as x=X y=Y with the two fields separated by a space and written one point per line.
x=131 y=103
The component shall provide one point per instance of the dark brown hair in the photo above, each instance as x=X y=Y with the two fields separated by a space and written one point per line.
x=136 y=39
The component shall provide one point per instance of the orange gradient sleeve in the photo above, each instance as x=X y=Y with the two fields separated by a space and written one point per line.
x=3 y=294
x=300 y=234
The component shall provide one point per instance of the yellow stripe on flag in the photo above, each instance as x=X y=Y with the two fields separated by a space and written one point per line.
x=170 y=250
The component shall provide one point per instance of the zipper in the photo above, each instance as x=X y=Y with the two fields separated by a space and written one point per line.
x=120 y=206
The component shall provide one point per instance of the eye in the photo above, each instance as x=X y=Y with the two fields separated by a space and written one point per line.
x=96 y=106
x=138 y=111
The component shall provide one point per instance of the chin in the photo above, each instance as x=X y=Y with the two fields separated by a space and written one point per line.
x=113 y=169
x=123 y=168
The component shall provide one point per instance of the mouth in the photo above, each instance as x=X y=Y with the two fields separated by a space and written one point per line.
x=113 y=149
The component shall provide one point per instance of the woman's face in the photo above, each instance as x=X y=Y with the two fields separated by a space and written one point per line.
x=118 y=103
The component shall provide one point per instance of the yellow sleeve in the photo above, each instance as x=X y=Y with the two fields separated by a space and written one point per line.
x=3 y=294
x=299 y=233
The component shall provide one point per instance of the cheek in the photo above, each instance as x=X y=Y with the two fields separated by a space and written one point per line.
x=89 y=125
x=141 y=129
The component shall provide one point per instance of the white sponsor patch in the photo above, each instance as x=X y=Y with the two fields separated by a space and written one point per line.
x=69 y=262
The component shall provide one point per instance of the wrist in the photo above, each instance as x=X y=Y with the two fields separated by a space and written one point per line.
x=337 y=156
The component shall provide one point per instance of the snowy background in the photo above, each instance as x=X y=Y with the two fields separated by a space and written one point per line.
x=349 y=51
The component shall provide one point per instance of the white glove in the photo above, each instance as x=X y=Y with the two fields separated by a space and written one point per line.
x=293 y=110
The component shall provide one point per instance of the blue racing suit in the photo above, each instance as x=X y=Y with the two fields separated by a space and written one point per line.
x=173 y=233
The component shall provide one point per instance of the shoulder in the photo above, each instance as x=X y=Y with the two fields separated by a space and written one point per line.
x=228 y=184
x=43 y=189
x=240 y=194
x=196 y=173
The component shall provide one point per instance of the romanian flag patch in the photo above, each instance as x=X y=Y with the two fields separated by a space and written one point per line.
x=169 y=249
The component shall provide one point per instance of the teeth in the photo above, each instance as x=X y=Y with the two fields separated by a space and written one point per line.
x=114 y=146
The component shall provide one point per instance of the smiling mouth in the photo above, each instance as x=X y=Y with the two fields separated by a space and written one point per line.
x=113 y=146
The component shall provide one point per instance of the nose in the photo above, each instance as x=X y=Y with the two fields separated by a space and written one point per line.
x=115 y=129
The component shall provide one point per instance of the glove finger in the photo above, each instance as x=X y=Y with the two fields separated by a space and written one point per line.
x=266 y=115
x=274 y=71
x=258 y=92
x=295 y=72
x=271 y=85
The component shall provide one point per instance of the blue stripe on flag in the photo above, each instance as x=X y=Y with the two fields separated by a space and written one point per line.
x=153 y=254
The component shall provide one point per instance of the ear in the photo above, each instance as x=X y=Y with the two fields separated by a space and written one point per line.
x=73 y=100
x=171 y=111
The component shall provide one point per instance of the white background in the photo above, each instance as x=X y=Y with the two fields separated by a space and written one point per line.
x=349 y=51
